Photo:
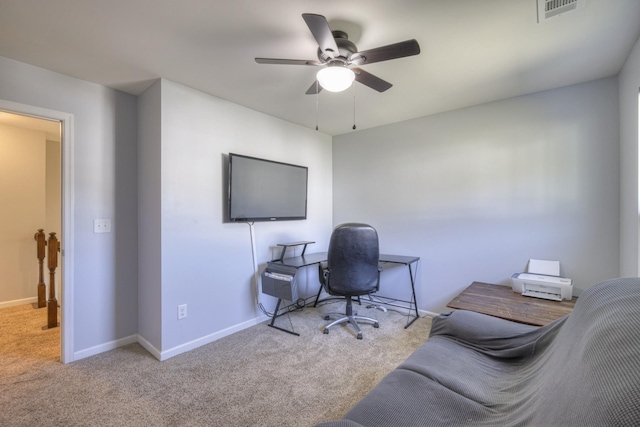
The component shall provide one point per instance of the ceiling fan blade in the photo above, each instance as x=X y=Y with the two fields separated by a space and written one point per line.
x=287 y=61
x=314 y=88
x=370 y=80
x=392 y=51
x=322 y=33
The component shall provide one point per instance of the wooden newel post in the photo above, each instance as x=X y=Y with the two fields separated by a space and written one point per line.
x=52 y=259
x=41 y=242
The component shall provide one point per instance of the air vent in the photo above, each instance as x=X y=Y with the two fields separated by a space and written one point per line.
x=550 y=8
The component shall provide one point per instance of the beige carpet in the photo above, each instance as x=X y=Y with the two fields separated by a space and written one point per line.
x=257 y=377
x=25 y=338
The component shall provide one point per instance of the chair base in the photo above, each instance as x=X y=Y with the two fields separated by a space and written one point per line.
x=375 y=303
x=352 y=319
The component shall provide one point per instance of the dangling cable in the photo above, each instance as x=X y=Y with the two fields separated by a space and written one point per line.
x=256 y=276
x=354 y=107
x=255 y=263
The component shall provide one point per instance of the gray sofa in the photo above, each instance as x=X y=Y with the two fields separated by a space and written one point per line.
x=477 y=370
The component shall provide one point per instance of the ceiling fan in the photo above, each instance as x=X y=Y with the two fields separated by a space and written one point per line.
x=340 y=57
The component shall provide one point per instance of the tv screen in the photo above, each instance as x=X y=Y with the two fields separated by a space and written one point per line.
x=266 y=190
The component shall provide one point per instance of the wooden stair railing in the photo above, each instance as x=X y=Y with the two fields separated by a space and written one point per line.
x=52 y=259
x=41 y=242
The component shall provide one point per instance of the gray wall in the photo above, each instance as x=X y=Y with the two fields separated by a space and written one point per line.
x=104 y=163
x=629 y=83
x=149 y=217
x=477 y=192
x=189 y=255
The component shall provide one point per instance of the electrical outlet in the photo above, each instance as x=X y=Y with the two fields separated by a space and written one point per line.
x=102 y=226
x=182 y=311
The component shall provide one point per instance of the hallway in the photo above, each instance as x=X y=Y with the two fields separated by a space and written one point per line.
x=25 y=341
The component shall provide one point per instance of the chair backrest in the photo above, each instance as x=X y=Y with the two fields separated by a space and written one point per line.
x=352 y=260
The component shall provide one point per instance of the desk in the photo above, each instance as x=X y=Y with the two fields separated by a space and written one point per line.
x=386 y=261
x=390 y=261
x=501 y=301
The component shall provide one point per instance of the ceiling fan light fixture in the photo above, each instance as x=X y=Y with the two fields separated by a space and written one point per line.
x=335 y=78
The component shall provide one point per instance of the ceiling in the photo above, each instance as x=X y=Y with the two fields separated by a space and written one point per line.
x=472 y=51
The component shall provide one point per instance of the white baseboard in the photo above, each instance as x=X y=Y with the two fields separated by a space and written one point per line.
x=167 y=354
x=425 y=313
x=101 y=348
x=182 y=348
x=149 y=347
x=5 y=304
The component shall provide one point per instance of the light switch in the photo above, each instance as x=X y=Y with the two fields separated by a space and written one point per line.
x=102 y=226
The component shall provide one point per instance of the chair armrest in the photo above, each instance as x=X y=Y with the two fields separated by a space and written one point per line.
x=323 y=273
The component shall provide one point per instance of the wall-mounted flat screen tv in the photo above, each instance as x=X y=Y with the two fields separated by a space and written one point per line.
x=266 y=190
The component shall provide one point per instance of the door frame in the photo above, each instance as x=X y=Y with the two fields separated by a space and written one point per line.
x=66 y=241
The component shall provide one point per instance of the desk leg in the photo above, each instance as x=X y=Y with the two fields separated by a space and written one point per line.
x=318 y=296
x=413 y=294
x=273 y=319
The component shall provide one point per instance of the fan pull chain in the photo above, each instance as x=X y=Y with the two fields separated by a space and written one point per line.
x=354 y=107
x=317 y=101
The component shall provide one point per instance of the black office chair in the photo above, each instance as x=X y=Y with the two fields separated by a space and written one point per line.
x=351 y=270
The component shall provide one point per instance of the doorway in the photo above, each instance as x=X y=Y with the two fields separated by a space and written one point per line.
x=46 y=153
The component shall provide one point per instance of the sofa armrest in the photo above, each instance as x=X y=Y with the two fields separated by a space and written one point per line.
x=492 y=335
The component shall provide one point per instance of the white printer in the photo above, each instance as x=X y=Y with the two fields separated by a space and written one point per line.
x=542 y=280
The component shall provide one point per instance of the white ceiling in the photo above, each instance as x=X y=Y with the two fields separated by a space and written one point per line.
x=473 y=51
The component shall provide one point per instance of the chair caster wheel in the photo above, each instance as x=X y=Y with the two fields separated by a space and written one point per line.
x=359 y=336
x=327 y=318
x=326 y=331
x=376 y=325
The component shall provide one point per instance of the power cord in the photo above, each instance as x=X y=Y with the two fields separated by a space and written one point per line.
x=256 y=277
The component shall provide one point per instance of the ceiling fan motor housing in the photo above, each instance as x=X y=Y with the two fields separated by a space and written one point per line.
x=345 y=49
